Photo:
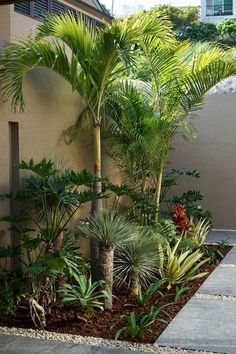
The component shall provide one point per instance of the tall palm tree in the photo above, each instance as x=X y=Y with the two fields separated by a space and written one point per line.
x=177 y=78
x=95 y=62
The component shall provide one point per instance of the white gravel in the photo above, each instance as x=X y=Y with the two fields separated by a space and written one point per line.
x=215 y=297
x=114 y=344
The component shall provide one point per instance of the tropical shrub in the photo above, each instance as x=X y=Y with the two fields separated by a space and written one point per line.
x=182 y=268
x=192 y=201
x=227 y=29
x=135 y=325
x=200 y=32
x=48 y=201
x=138 y=261
x=10 y=294
x=110 y=230
x=86 y=293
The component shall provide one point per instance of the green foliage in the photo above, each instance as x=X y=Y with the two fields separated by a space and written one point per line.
x=179 y=291
x=108 y=228
x=192 y=202
x=143 y=297
x=88 y=294
x=10 y=296
x=49 y=200
x=180 y=17
x=210 y=253
x=167 y=229
x=199 y=232
x=227 y=29
x=201 y=32
x=139 y=259
x=182 y=268
x=135 y=325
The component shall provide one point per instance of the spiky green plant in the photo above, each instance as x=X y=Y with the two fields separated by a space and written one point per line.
x=110 y=230
x=139 y=260
x=184 y=267
x=88 y=294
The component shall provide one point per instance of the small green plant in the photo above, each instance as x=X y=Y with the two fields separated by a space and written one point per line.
x=143 y=297
x=179 y=291
x=210 y=253
x=199 y=231
x=183 y=267
x=10 y=294
x=135 y=324
x=88 y=294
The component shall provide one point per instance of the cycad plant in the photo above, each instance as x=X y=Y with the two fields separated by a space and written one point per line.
x=96 y=60
x=110 y=230
x=138 y=262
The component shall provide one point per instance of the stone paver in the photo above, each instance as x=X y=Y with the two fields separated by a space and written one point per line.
x=26 y=345
x=216 y=236
x=221 y=282
x=230 y=258
x=203 y=325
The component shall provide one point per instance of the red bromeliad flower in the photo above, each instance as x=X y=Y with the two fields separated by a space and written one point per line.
x=180 y=218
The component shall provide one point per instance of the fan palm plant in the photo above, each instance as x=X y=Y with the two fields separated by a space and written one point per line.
x=138 y=262
x=95 y=62
x=177 y=78
x=109 y=230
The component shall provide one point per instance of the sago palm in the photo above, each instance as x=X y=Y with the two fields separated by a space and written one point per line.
x=94 y=62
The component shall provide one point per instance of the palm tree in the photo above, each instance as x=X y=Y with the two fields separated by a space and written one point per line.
x=95 y=62
x=109 y=230
x=177 y=78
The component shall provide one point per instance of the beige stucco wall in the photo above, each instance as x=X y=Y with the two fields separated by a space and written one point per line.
x=213 y=154
x=5 y=22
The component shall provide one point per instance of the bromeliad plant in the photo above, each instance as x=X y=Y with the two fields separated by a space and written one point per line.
x=89 y=295
x=110 y=230
x=182 y=268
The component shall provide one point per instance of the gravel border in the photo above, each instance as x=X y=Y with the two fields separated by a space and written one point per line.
x=92 y=341
x=215 y=297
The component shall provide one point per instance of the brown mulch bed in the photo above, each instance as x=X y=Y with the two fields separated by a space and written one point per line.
x=67 y=319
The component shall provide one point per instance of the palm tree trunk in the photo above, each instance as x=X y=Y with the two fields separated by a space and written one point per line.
x=158 y=192
x=106 y=270
x=134 y=286
x=96 y=204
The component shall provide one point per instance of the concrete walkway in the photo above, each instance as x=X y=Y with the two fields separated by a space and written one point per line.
x=26 y=345
x=217 y=236
x=208 y=321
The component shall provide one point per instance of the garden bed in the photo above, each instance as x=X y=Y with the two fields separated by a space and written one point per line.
x=69 y=319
